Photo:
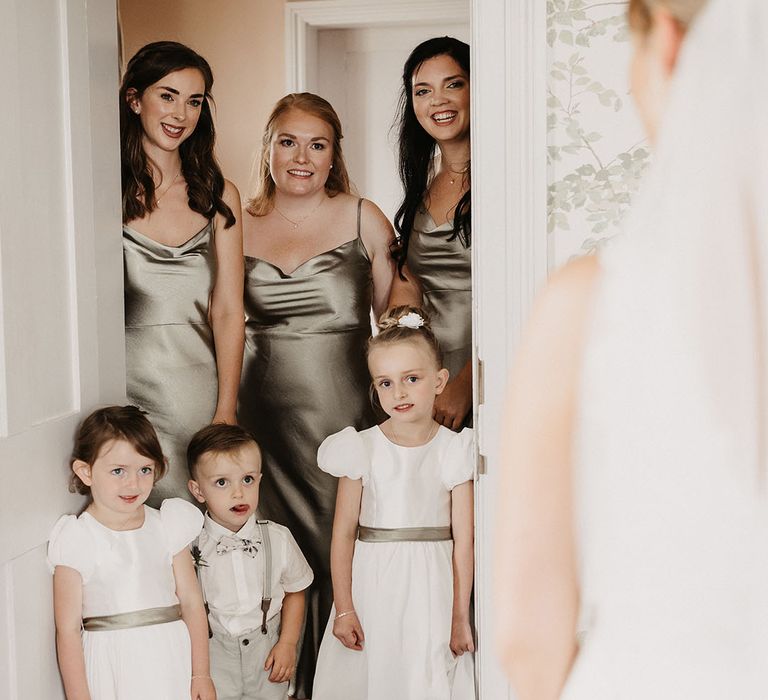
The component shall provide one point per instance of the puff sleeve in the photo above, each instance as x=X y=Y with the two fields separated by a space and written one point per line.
x=69 y=545
x=344 y=454
x=458 y=461
x=181 y=521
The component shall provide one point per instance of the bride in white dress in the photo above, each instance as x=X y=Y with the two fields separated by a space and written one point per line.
x=636 y=484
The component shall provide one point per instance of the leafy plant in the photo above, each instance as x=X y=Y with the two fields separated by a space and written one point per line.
x=599 y=183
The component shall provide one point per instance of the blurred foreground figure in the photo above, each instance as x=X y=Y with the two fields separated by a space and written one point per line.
x=635 y=497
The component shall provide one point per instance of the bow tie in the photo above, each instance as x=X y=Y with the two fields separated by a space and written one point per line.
x=229 y=543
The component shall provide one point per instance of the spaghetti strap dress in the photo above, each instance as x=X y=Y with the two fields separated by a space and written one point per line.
x=170 y=360
x=442 y=265
x=304 y=378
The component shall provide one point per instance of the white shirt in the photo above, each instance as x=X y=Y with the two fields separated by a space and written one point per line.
x=233 y=582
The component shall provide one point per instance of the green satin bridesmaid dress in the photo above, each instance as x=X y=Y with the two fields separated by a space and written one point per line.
x=443 y=267
x=304 y=378
x=170 y=361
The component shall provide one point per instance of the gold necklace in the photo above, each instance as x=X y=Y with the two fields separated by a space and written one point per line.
x=296 y=224
x=175 y=177
x=463 y=171
x=432 y=432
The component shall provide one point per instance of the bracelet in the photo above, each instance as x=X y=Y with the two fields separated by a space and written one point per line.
x=346 y=612
x=194 y=676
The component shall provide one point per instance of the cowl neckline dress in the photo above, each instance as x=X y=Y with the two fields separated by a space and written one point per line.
x=304 y=378
x=170 y=360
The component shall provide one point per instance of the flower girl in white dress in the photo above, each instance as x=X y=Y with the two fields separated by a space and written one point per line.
x=402 y=547
x=130 y=621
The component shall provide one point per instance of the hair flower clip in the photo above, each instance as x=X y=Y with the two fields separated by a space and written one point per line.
x=411 y=320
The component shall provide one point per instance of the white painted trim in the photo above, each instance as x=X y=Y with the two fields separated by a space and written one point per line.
x=509 y=246
x=305 y=16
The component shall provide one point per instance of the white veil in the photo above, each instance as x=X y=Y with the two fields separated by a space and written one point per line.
x=672 y=488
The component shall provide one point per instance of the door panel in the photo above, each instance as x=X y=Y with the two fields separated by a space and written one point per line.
x=61 y=309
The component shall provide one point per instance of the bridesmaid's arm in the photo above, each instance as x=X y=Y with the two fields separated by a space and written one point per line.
x=537 y=597
x=405 y=292
x=378 y=235
x=193 y=614
x=68 y=613
x=227 y=317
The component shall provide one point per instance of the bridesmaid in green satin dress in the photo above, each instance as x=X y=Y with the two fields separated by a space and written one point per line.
x=434 y=220
x=182 y=251
x=317 y=260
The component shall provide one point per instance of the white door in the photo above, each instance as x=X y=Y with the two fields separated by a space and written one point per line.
x=359 y=73
x=61 y=310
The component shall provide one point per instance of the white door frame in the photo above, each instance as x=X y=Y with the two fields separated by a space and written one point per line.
x=304 y=18
x=509 y=185
x=509 y=247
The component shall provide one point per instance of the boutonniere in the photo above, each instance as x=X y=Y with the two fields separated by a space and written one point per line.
x=197 y=557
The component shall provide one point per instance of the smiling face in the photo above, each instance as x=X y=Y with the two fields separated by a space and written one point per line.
x=228 y=484
x=440 y=93
x=120 y=480
x=169 y=109
x=300 y=153
x=407 y=379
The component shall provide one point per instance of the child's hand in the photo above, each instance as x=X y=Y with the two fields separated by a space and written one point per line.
x=461 y=638
x=203 y=689
x=282 y=661
x=349 y=632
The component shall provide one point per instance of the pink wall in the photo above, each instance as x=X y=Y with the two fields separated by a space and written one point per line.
x=243 y=40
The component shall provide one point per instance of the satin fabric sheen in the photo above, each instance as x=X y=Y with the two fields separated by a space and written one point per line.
x=304 y=378
x=443 y=268
x=170 y=361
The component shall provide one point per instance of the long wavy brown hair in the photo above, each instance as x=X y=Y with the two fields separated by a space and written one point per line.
x=338 y=179
x=205 y=182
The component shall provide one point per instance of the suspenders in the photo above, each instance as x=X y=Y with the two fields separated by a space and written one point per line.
x=266 y=593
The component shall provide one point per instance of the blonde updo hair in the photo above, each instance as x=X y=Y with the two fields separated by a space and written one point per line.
x=391 y=332
x=684 y=11
x=338 y=179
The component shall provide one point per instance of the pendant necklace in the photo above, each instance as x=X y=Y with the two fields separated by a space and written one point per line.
x=432 y=432
x=175 y=177
x=462 y=172
x=297 y=223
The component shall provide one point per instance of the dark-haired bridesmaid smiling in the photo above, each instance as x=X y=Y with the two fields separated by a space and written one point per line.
x=434 y=220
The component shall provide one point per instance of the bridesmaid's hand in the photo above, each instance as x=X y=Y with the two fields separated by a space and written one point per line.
x=203 y=689
x=349 y=632
x=461 y=637
x=452 y=406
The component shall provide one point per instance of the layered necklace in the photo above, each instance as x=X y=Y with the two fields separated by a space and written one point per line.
x=455 y=173
x=297 y=222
